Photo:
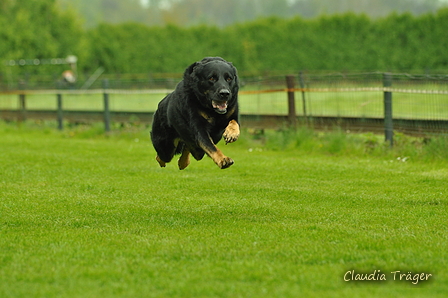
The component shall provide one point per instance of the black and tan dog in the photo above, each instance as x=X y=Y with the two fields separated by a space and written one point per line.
x=197 y=114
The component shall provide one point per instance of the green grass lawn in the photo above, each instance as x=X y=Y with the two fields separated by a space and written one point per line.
x=88 y=215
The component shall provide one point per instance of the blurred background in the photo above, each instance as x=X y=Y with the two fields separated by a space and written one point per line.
x=259 y=36
x=223 y=13
x=337 y=50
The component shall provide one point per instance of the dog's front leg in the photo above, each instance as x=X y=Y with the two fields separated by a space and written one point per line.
x=215 y=154
x=232 y=132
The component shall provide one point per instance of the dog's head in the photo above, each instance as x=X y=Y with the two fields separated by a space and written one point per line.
x=214 y=81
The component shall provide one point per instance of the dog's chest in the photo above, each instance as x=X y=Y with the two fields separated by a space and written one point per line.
x=211 y=120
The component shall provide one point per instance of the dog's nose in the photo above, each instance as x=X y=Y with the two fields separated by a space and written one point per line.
x=224 y=93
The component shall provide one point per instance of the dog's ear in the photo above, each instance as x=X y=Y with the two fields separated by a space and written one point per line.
x=189 y=74
x=190 y=78
x=233 y=67
x=237 y=83
x=190 y=69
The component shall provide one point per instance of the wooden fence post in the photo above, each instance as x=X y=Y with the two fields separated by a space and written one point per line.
x=106 y=106
x=291 y=101
x=60 y=115
x=302 y=85
x=388 y=118
x=59 y=106
x=22 y=103
x=22 y=108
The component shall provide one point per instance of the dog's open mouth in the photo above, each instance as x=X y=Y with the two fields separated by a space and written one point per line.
x=220 y=106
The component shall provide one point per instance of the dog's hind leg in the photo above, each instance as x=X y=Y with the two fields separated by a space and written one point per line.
x=161 y=162
x=165 y=149
x=184 y=159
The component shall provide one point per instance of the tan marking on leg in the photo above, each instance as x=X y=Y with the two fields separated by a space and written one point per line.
x=230 y=112
x=161 y=162
x=232 y=132
x=218 y=157
x=207 y=117
x=184 y=159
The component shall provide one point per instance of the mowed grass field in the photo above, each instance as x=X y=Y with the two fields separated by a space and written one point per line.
x=88 y=215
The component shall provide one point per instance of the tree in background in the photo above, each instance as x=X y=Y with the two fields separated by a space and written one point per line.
x=373 y=8
x=94 y=12
x=226 y=12
x=37 y=29
x=222 y=13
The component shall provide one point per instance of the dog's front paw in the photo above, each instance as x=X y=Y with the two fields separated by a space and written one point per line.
x=230 y=137
x=232 y=132
x=225 y=162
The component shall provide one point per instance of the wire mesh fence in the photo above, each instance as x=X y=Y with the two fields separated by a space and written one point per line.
x=350 y=100
x=419 y=102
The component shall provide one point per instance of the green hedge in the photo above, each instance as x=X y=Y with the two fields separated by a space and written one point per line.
x=340 y=42
x=36 y=29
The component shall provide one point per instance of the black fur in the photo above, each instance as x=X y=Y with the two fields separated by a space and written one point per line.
x=194 y=117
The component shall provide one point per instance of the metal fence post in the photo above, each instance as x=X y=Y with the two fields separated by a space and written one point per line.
x=291 y=101
x=106 y=105
x=388 y=118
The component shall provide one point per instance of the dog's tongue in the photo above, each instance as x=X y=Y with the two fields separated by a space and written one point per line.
x=222 y=106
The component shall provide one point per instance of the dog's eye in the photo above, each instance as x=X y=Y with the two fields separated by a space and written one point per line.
x=229 y=79
x=212 y=79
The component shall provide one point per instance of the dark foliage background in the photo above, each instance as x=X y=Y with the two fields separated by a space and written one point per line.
x=31 y=29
